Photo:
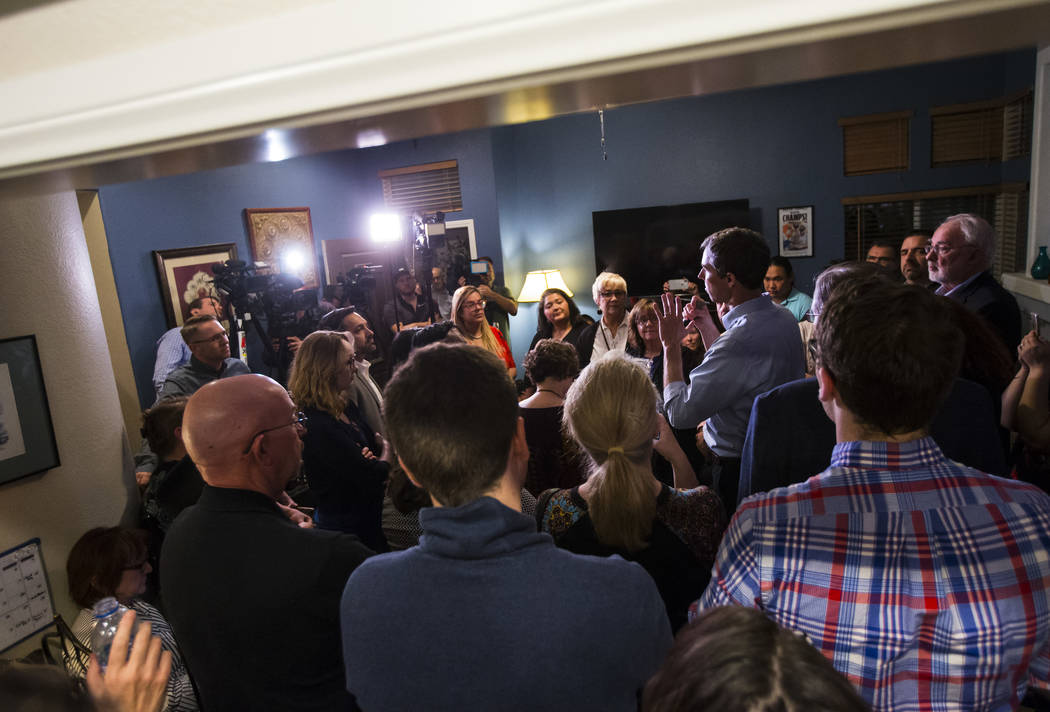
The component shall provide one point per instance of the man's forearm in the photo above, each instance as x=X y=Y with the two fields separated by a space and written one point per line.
x=505 y=303
x=673 y=364
x=708 y=332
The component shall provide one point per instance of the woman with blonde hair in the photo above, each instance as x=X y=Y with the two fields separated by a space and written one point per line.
x=468 y=314
x=622 y=508
x=339 y=449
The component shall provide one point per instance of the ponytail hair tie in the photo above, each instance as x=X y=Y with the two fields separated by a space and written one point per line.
x=615 y=448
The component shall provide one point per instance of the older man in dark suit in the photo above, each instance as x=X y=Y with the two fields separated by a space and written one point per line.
x=960 y=258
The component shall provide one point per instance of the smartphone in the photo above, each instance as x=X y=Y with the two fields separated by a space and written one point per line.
x=678 y=285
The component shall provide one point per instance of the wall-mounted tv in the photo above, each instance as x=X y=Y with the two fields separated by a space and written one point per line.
x=648 y=246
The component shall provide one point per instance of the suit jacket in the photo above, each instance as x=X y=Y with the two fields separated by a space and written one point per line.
x=254 y=603
x=790 y=438
x=368 y=404
x=987 y=298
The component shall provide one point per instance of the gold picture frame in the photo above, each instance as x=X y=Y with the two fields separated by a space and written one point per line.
x=277 y=233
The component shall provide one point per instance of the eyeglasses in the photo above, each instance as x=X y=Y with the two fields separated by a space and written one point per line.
x=300 y=421
x=647 y=318
x=216 y=338
x=480 y=304
x=943 y=248
x=612 y=293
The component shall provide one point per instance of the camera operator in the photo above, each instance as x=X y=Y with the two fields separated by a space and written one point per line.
x=499 y=304
x=407 y=310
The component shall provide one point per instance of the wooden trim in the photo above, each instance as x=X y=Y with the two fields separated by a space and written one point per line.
x=942 y=193
x=874 y=118
x=979 y=105
x=423 y=168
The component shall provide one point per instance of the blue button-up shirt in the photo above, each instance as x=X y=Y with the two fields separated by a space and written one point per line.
x=760 y=350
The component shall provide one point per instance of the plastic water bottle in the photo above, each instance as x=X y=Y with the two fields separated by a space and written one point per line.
x=108 y=614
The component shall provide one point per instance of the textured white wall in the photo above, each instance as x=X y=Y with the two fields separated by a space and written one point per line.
x=47 y=289
x=93 y=75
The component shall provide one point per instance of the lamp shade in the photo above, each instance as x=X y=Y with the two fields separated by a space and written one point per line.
x=540 y=280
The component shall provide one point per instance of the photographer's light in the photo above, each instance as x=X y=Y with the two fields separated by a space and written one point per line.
x=292 y=260
x=386 y=227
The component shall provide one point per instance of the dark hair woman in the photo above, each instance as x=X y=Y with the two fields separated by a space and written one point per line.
x=554 y=460
x=112 y=562
x=558 y=318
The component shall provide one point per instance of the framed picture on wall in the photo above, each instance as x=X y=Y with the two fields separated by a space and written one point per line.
x=284 y=239
x=27 y=437
x=795 y=231
x=185 y=274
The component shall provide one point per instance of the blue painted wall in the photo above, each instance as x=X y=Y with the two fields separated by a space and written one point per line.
x=531 y=188
x=777 y=147
x=341 y=189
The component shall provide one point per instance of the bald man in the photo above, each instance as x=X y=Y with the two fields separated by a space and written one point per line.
x=252 y=597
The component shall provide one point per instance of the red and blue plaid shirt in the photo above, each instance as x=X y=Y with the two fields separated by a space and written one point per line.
x=925 y=582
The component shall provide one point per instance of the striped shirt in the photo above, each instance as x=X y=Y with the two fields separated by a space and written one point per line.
x=925 y=582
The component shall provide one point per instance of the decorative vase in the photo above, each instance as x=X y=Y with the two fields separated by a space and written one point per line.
x=1041 y=266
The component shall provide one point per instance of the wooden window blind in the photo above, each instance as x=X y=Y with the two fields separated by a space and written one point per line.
x=876 y=143
x=892 y=217
x=1017 y=127
x=995 y=130
x=423 y=189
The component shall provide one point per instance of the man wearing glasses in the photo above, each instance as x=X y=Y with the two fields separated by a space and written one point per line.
x=252 y=597
x=960 y=258
x=210 y=358
x=172 y=351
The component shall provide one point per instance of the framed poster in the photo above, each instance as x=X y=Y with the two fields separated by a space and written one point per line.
x=26 y=607
x=185 y=274
x=27 y=437
x=284 y=239
x=795 y=231
x=459 y=249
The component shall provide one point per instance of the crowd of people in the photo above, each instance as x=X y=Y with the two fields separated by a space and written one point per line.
x=736 y=497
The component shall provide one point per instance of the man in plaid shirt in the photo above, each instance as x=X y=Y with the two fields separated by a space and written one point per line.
x=925 y=582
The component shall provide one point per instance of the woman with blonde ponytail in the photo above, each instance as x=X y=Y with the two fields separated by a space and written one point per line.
x=622 y=508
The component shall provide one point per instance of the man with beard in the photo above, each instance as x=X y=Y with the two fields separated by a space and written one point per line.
x=364 y=391
x=913 y=259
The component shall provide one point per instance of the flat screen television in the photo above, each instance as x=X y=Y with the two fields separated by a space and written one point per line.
x=648 y=246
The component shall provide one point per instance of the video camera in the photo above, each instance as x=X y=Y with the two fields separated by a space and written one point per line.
x=277 y=297
x=359 y=284
x=478 y=270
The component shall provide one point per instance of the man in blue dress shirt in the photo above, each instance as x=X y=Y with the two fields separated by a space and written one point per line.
x=760 y=349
